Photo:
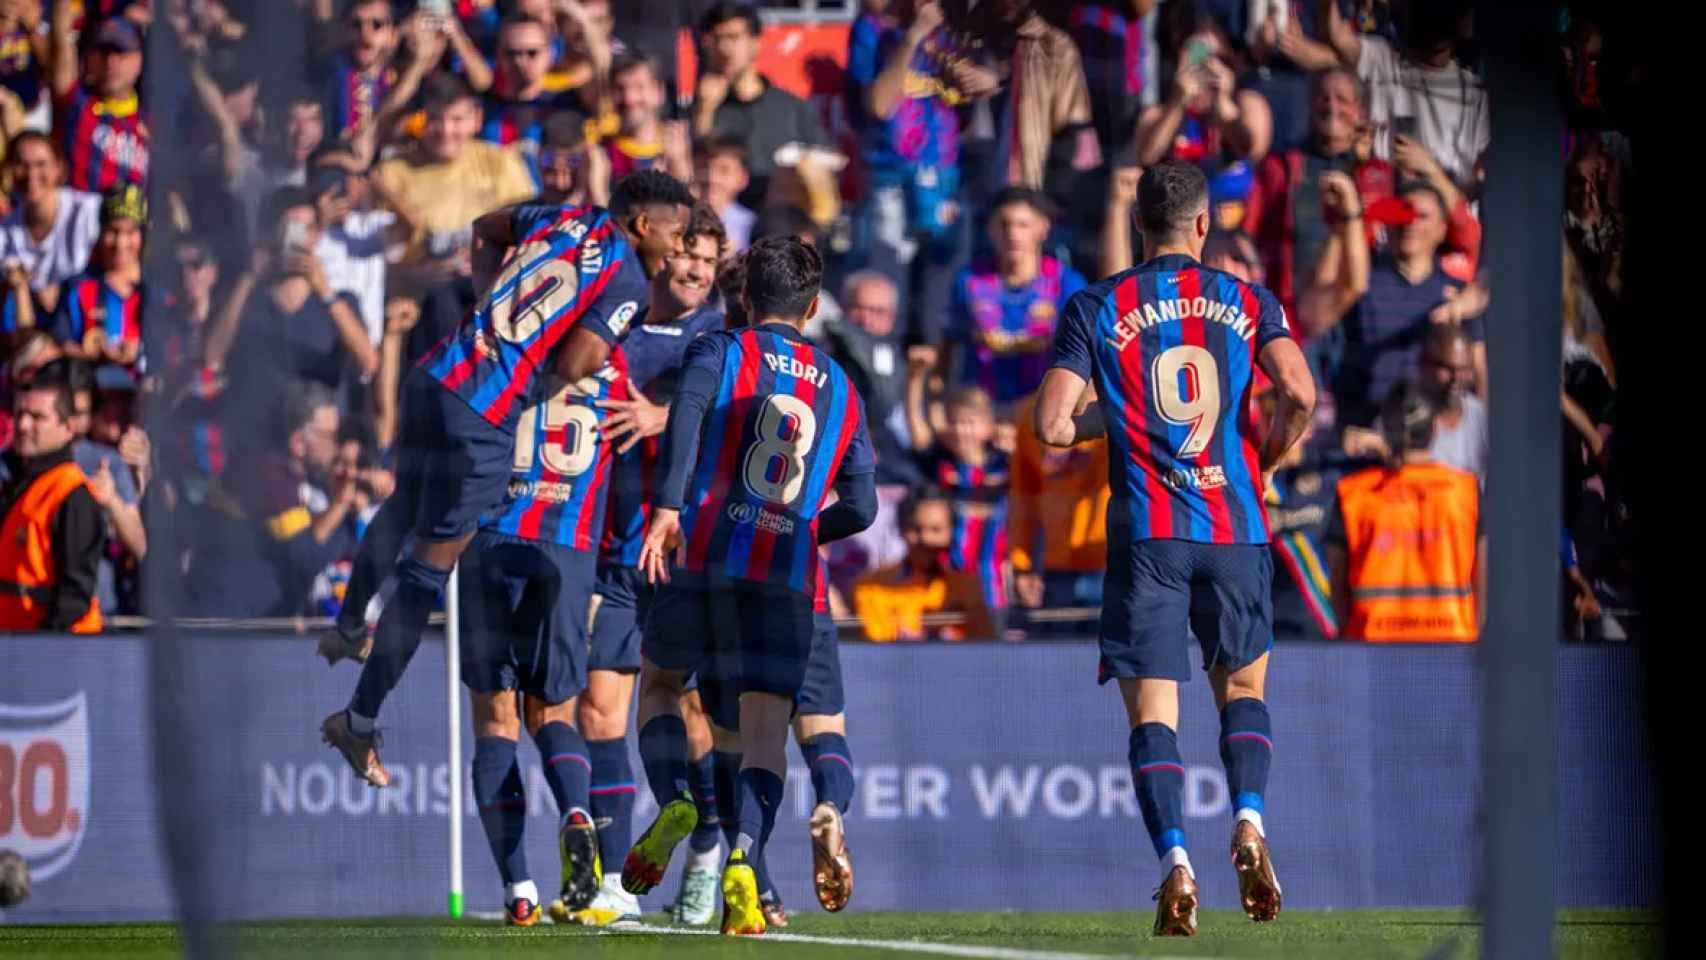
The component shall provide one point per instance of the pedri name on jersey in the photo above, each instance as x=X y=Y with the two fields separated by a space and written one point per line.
x=1127 y=328
x=796 y=369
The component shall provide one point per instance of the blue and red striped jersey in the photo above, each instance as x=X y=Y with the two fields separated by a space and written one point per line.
x=104 y=140
x=563 y=464
x=90 y=310
x=353 y=97
x=979 y=495
x=571 y=267
x=1171 y=346
x=784 y=424
x=653 y=353
x=1005 y=331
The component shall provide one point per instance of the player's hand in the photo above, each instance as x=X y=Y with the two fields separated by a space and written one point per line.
x=663 y=539
x=1029 y=587
x=631 y=421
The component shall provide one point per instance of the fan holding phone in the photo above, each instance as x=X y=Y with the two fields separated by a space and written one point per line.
x=1205 y=119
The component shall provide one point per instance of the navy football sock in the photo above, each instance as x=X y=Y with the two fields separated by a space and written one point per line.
x=398 y=636
x=502 y=803
x=612 y=796
x=374 y=560
x=702 y=778
x=725 y=768
x=1159 y=775
x=568 y=769
x=761 y=873
x=663 y=752
x=1247 y=750
x=831 y=764
x=758 y=795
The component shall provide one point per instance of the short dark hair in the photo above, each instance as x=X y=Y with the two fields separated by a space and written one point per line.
x=785 y=220
x=1035 y=199
x=705 y=223
x=1422 y=186
x=444 y=89
x=522 y=20
x=721 y=13
x=631 y=60
x=918 y=497
x=720 y=145
x=731 y=282
x=354 y=5
x=783 y=275
x=564 y=130
x=57 y=379
x=29 y=136
x=1169 y=195
x=648 y=188
x=1407 y=418
x=282 y=199
x=307 y=93
x=1444 y=336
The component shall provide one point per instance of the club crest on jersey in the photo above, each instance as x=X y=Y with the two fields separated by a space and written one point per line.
x=44 y=782
x=796 y=369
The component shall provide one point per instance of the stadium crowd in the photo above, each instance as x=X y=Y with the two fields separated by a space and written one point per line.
x=965 y=171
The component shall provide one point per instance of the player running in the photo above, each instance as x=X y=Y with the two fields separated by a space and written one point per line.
x=680 y=310
x=763 y=426
x=525 y=588
x=1172 y=347
x=572 y=281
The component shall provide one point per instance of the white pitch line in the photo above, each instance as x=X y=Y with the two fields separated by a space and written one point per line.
x=968 y=951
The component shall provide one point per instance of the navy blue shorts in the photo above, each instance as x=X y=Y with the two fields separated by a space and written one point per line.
x=739 y=635
x=623 y=599
x=452 y=465
x=1158 y=592
x=821 y=693
x=523 y=615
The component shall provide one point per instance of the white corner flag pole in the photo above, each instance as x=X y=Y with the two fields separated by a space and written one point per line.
x=453 y=679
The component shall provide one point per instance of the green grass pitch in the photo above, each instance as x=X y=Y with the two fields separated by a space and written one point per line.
x=1431 y=934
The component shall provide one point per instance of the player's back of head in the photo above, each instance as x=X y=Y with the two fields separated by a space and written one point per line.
x=783 y=276
x=648 y=188
x=1170 y=197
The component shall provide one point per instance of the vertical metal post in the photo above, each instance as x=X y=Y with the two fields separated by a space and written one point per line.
x=1524 y=216
x=453 y=679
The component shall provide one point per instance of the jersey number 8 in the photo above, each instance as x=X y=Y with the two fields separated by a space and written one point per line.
x=579 y=424
x=1187 y=394
x=775 y=467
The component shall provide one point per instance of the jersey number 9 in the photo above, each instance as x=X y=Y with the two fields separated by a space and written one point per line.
x=775 y=467
x=1187 y=394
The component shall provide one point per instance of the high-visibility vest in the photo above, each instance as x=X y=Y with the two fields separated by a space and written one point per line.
x=1410 y=539
x=27 y=567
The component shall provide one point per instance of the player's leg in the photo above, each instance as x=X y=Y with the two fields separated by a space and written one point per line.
x=696 y=901
x=677 y=632
x=501 y=800
x=1144 y=645
x=1233 y=618
x=821 y=729
x=613 y=672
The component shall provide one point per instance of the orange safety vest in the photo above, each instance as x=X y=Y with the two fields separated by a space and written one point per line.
x=1410 y=539
x=27 y=567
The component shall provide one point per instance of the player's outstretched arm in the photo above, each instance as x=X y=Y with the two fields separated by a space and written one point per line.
x=1283 y=362
x=581 y=354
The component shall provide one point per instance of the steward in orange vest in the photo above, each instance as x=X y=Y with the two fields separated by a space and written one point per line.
x=1406 y=549
x=51 y=538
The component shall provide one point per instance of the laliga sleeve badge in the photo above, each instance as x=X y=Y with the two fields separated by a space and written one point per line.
x=619 y=320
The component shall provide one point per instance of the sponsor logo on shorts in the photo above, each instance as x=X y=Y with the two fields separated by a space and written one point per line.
x=778 y=523
x=44 y=782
